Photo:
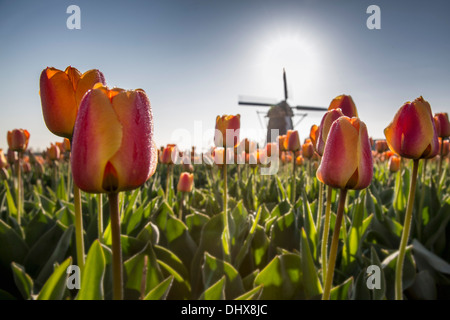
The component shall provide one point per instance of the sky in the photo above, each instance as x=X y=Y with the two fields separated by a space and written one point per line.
x=195 y=58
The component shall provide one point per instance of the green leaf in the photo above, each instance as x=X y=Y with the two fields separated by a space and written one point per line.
x=285 y=233
x=181 y=287
x=23 y=281
x=92 y=276
x=12 y=247
x=133 y=275
x=434 y=261
x=11 y=205
x=161 y=291
x=342 y=291
x=282 y=278
x=56 y=284
x=253 y=294
x=215 y=292
x=310 y=226
x=171 y=259
x=378 y=294
x=213 y=269
x=311 y=280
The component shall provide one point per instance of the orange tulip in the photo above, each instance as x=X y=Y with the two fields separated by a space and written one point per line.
x=347 y=158
x=314 y=134
x=412 y=134
x=299 y=160
x=53 y=152
x=186 y=182
x=226 y=123
x=394 y=164
x=446 y=148
x=3 y=161
x=443 y=128
x=113 y=148
x=272 y=148
x=281 y=142
x=308 y=149
x=325 y=125
x=292 y=141
x=61 y=93
x=346 y=104
x=169 y=154
x=18 y=139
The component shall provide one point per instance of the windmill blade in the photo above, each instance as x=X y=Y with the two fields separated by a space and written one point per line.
x=255 y=104
x=285 y=85
x=307 y=108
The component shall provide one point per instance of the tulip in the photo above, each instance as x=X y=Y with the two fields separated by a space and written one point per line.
x=53 y=152
x=346 y=104
x=292 y=141
x=3 y=161
x=445 y=148
x=281 y=142
x=299 y=160
x=314 y=135
x=11 y=157
x=381 y=146
x=169 y=154
x=346 y=164
x=185 y=185
x=324 y=128
x=113 y=151
x=347 y=158
x=272 y=148
x=394 y=164
x=444 y=124
x=308 y=149
x=411 y=134
x=61 y=93
x=18 y=140
x=226 y=123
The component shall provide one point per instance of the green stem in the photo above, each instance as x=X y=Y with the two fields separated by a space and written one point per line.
x=100 y=215
x=293 y=182
x=334 y=246
x=116 y=246
x=319 y=210
x=440 y=160
x=226 y=230
x=19 y=188
x=78 y=226
x=69 y=176
x=405 y=233
x=180 y=206
x=168 y=178
x=326 y=231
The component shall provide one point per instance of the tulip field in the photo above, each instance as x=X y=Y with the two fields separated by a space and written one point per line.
x=343 y=217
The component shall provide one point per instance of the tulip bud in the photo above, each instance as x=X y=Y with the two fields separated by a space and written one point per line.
x=308 y=149
x=394 y=164
x=299 y=160
x=112 y=147
x=3 y=161
x=325 y=125
x=169 y=154
x=18 y=139
x=313 y=135
x=346 y=104
x=61 y=93
x=281 y=142
x=53 y=152
x=347 y=158
x=11 y=156
x=226 y=123
x=186 y=182
x=292 y=141
x=381 y=146
x=443 y=128
x=412 y=133
x=272 y=148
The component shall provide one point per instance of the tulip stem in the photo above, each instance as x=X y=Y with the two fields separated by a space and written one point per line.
x=319 y=210
x=100 y=216
x=326 y=232
x=69 y=176
x=19 y=189
x=226 y=231
x=405 y=233
x=441 y=152
x=293 y=182
x=181 y=205
x=169 y=177
x=78 y=226
x=116 y=246
x=334 y=246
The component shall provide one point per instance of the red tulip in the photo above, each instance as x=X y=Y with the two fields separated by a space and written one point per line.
x=347 y=158
x=346 y=104
x=443 y=128
x=412 y=134
x=292 y=141
x=186 y=182
x=18 y=139
x=325 y=125
x=61 y=93
x=226 y=123
x=113 y=148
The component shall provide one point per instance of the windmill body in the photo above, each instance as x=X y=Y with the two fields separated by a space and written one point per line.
x=280 y=115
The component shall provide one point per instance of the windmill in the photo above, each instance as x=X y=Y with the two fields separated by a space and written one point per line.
x=280 y=115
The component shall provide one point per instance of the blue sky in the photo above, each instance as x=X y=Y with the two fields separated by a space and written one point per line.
x=195 y=57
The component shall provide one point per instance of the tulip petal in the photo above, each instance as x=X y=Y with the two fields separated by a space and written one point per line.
x=86 y=82
x=58 y=102
x=97 y=137
x=133 y=162
x=364 y=156
x=339 y=160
